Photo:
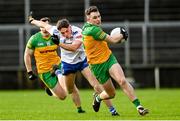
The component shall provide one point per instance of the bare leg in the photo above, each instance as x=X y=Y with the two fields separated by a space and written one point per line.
x=117 y=74
x=67 y=84
x=69 y=81
x=76 y=99
x=98 y=88
x=94 y=83
x=58 y=90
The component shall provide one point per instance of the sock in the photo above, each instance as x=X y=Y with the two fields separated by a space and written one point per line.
x=112 y=109
x=57 y=72
x=79 y=108
x=98 y=99
x=136 y=102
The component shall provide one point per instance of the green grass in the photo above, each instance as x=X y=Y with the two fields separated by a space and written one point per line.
x=36 y=105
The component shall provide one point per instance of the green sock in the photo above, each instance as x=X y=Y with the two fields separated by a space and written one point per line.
x=136 y=102
x=79 y=108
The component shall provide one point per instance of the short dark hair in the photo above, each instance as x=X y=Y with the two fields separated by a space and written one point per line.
x=62 y=23
x=44 y=19
x=91 y=9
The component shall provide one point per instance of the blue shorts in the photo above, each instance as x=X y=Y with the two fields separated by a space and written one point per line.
x=73 y=68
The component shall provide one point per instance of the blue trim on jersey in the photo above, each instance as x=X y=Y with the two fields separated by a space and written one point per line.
x=73 y=68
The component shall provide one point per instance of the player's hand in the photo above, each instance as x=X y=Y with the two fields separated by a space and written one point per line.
x=31 y=75
x=30 y=17
x=124 y=32
x=55 y=39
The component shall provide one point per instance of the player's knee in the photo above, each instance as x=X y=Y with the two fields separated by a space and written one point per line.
x=70 y=91
x=98 y=88
x=112 y=94
x=62 y=97
x=122 y=82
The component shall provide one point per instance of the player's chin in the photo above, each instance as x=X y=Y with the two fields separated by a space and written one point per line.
x=98 y=24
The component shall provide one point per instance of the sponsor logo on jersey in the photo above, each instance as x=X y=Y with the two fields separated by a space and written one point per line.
x=47 y=51
x=40 y=44
x=74 y=33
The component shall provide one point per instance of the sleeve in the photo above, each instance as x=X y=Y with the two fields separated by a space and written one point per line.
x=30 y=43
x=98 y=33
x=78 y=34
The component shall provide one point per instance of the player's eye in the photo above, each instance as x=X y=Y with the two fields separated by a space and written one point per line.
x=64 y=32
x=95 y=17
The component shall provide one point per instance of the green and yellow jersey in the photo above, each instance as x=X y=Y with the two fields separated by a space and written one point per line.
x=45 y=52
x=96 y=48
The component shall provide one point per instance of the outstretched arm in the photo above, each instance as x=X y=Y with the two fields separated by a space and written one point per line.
x=41 y=24
x=38 y=23
x=49 y=28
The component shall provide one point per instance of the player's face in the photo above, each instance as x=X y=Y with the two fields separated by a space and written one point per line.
x=94 y=18
x=66 y=32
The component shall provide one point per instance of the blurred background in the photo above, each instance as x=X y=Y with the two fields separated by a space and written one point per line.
x=150 y=58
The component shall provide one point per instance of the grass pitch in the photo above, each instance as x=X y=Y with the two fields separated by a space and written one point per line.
x=36 y=105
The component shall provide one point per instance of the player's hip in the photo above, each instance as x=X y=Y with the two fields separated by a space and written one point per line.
x=73 y=68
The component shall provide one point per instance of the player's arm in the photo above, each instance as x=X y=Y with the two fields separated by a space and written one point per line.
x=54 y=33
x=27 y=59
x=41 y=24
x=28 y=54
x=38 y=23
x=99 y=34
x=114 y=39
x=72 y=47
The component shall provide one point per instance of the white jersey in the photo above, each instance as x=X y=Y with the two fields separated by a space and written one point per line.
x=67 y=56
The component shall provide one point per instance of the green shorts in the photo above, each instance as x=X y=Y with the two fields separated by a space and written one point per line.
x=101 y=71
x=49 y=80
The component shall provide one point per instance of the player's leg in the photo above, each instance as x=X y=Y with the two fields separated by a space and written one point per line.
x=111 y=108
x=69 y=73
x=59 y=91
x=86 y=72
x=110 y=90
x=75 y=95
x=117 y=74
x=76 y=99
x=97 y=87
x=69 y=81
x=53 y=84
